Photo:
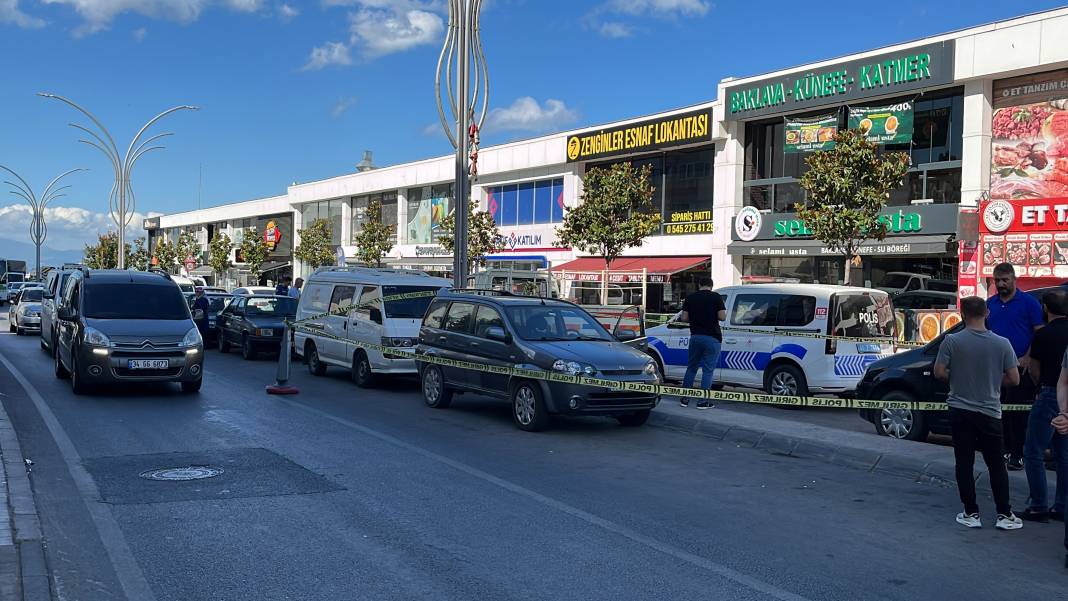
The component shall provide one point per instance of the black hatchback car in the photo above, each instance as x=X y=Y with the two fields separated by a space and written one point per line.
x=502 y=330
x=254 y=323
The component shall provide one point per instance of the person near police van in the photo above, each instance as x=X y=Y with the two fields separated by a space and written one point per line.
x=977 y=363
x=1015 y=315
x=294 y=290
x=282 y=289
x=1060 y=423
x=703 y=310
x=1047 y=351
x=200 y=303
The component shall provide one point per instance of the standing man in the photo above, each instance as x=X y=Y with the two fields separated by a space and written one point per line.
x=704 y=310
x=977 y=363
x=1014 y=315
x=1047 y=352
x=1061 y=424
x=294 y=290
x=282 y=289
x=200 y=303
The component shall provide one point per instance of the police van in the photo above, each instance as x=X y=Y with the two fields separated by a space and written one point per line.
x=764 y=342
x=341 y=307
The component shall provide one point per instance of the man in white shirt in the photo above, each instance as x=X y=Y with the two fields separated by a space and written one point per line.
x=294 y=290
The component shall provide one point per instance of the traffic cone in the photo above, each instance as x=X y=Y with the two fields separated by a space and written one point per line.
x=281 y=385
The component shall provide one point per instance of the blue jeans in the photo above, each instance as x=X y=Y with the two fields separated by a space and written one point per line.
x=1040 y=436
x=704 y=354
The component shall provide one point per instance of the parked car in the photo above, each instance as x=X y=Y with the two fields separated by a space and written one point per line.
x=897 y=282
x=214 y=290
x=764 y=354
x=925 y=299
x=185 y=284
x=13 y=289
x=353 y=298
x=216 y=303
x=503 y=330
x=908 y=376
x=24 y=315
x=255 y=323
x=126 y=326
x=53 y=293
x=249 y=290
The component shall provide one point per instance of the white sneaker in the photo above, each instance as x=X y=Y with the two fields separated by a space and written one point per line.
x=1009 y=522
x=969 y=520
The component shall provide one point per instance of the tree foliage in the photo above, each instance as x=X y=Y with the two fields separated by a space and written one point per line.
x=187 y=246
x=483 y=237
x=614 y=213
x=219 y=254
x=373 y=242
x=316 y=248
x=254 y=251
x=846 y=189
x=166 y=255
x=104 y=254
x=138 y=259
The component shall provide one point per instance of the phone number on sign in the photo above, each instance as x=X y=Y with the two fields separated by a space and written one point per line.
x=689 y=228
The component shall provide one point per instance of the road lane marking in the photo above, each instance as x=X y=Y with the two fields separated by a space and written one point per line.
x=127 y=570
x=717 y=568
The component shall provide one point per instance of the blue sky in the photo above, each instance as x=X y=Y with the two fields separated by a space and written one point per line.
x=296 y=90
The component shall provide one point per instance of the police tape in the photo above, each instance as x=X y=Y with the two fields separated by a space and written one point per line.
x=343 y=311
x=821 y=336
x=656 y=389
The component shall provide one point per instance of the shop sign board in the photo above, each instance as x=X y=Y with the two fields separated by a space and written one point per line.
x=1030 y=234
x=883 y=124
x=895 y=72
x=1029 y=137
x=808 y=135
x=689 y=222
x=651 y=134
x=431 y=251
x=899 y=221
x=276 y=231
x=884 y=247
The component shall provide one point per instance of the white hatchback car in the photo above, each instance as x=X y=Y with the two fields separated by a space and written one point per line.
x=24 y=315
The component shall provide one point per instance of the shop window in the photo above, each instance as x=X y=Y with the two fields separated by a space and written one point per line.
x=527 y=203
x=688 y=189
x=427 y=208
x=359 y=206
x=807 y=270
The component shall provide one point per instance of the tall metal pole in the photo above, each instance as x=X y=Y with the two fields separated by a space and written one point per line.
x=122 y=203
x=462 y=51
x=38 y=227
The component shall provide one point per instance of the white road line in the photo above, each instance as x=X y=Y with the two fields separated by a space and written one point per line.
x=127 y=570
x=628 y=533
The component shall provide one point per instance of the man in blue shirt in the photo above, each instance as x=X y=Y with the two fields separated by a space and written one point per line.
x=1015 y=315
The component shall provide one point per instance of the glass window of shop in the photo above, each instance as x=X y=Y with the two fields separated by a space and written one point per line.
x=771 y=176
x=389 y=212
x=807 y=270
x=526 y=203
x=326 y=209
x=427 y=208
x=683 y=183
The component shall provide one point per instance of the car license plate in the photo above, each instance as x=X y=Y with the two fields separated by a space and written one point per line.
x=868 y=348
x=149 y=364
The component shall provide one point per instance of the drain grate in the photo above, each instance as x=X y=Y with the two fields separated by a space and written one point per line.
x=179 y=474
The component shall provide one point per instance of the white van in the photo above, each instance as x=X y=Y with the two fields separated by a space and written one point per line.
x=520 y=282
x=761 y=353
x=331 y=340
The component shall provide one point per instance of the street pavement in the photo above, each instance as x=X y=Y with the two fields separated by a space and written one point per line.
x=340 y=493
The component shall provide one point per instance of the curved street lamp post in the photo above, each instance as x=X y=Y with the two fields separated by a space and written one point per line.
x=38 y=227
x=121 y=204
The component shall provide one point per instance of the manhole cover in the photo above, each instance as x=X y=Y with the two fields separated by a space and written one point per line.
x=173 y=474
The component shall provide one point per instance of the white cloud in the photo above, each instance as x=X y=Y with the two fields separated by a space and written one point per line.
x=98 y=14
x=11 y=13
x=615 y=29
x=660 y=8
x=69 y=228
x=526 y=115
x=342 y=106
x=385 y=31
x=287 y=13
x=139 y=34
x=330 y=53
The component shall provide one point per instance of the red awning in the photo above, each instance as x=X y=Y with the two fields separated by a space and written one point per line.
x=654 y=265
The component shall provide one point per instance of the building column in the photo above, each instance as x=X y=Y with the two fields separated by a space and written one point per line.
x=975 y=168
x=402 y=216
x=346 y=222
x=727 y=200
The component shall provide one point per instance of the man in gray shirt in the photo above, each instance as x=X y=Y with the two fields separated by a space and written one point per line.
x=977 y=363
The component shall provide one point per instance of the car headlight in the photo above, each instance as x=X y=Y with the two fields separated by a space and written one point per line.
x=192 y=338
x=650 y=369
x=399 y=342
x=573 y=368
x=95 y=337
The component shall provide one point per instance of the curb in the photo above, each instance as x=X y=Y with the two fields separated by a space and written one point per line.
x=23 y=556
x=903 y=458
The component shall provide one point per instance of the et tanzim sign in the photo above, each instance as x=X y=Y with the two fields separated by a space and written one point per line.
x=652 y=134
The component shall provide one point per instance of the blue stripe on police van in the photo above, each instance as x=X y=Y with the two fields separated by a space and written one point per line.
x=852 y=365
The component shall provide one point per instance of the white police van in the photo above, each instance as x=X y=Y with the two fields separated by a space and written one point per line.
x=759 y=352
x=353 y=297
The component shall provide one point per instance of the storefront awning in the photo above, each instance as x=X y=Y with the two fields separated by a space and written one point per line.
x=904 y=245
x=653 y=265
x=203 y=270
x=273 y=266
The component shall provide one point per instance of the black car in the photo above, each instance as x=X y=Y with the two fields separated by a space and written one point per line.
x=506 y=331
x=255 y=323
x=909 y=376
x=216 y=303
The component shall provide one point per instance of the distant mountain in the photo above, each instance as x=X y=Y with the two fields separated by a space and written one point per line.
x=14 y=249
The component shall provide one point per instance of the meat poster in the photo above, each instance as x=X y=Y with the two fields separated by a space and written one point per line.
x=1030 y=137
x=1030 y=234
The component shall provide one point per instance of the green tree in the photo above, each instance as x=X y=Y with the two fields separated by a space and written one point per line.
x=254 y=251
x=219 y=254
x=104 y=254
x=614 y=213
x=373 y=242
x=166 y=255
x=315 y=248
x=187 y=246
x=138 y=259
x=846 y=188
x=483 y=237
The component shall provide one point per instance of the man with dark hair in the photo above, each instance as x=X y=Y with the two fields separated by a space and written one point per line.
x=704 y=310
x=977 y=363
x=1061 y=424
x=1047 y=352
x=282 y=289
x=1014 y=315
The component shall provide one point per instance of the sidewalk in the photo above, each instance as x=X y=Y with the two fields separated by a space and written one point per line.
x=867 y=451
x=23 y=574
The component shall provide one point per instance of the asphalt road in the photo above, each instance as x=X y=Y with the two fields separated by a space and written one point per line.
x=341 y=493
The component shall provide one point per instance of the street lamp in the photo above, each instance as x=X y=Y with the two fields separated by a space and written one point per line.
x=121 y=203
x=463 y=53
x=38 y=227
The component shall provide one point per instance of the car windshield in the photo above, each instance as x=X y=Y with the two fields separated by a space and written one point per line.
x=555 y=322
x=942 y=285
x=134 y=301
x=861 y=314
x=218 y=303
x=408 y=308
x=32 y=295
x=895 y=280
x=275 y=306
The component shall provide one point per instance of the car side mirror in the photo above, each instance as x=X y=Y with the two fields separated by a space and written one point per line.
x=48 y=296
x=625 y=335
x=498 y=334
x=375 y=315
x=65 y=313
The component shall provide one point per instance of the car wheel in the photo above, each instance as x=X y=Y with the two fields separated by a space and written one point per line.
x=528 y=408
x=903 y=424
x=11 y=327
x=77 y=383
x=315 y=365
x=361 y=370
x=435 y=393
x=19 y=331
x=61 y=372
x=785 y=380
x=224 y=346
x=192 y=387
x=248 y=352
x=633 y=420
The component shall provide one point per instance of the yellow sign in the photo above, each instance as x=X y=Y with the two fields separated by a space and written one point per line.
x=676 y=130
